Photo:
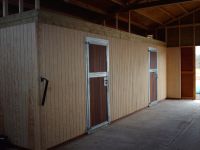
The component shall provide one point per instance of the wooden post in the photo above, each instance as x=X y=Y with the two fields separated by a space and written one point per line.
x=5 y=8
x=129 y=21
x=179 y=30
x=21 y=6
x=117 y=21
x=166 y=36
x=37 y=4
x=104 y=22
x=194 y=29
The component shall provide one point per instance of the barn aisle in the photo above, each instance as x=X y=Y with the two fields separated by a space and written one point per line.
x=169 y=125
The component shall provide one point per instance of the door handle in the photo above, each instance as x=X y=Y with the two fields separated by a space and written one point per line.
x=45 y=89
x=105 y=81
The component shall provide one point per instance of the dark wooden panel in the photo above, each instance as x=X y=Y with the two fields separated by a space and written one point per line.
x=187 y=19
x=187 y=85
x=197 y=35
x=188 y=73
x=187 y=36
x=173 y=37
x=153 y=86
x=98 y=101
x=197 y=17
x=161 y=34
x=187 y=59
x=153 y=60
x=97 y=61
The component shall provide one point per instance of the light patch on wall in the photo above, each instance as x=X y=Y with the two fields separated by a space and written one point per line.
x=197 y=53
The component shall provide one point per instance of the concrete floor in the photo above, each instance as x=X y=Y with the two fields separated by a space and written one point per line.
x=169 y=125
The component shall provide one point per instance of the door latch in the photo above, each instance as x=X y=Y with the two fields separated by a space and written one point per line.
x=105 y=81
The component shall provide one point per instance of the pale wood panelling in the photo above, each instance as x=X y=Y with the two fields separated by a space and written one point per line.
x=61 y=52
x=62 y=63
x=19 y=83
x=162 y=72
x=173 y=72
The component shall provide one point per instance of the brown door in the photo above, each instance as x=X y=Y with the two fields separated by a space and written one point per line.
x=187 y=73
x=98 y=84
x=153 y=76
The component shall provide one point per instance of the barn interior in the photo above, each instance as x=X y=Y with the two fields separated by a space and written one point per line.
x=100 y=74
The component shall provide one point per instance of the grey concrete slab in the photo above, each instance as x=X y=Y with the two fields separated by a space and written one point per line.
x=169 y=125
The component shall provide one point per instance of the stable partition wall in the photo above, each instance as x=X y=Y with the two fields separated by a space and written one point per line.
x=19 y=83
x=55 y=49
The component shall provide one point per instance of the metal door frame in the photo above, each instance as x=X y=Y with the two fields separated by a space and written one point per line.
x=102 y=42
x=151 y=49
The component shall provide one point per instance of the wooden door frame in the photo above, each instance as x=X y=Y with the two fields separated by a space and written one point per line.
x=151 y=49
x=102 y=42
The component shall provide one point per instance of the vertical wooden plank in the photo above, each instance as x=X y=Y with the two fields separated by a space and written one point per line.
x=5 y=7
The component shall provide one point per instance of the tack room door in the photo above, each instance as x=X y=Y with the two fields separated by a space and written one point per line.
x=153 y=75
x=97 y=83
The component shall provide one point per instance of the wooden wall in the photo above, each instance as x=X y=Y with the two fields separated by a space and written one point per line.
x=19 y=83
x=61 y=59
x=173 y=72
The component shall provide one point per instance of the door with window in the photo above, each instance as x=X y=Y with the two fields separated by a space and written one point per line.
x=97 y=83
x=153 y=75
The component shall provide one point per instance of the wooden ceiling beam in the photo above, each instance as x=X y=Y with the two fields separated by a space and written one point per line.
x=149 y=4
x=117 y=2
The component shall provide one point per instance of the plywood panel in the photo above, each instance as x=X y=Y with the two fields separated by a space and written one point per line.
x=174 y=73
x=19 y=83
x=62 y=62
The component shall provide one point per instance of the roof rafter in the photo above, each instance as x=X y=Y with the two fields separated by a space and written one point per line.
x=148 y=4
